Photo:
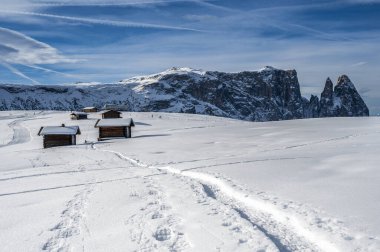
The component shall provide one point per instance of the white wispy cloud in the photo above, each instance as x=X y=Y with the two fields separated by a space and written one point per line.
x=363 y=1
x=201 y=18
x=358 y=64
x=18 y=48
x=17 y=72
x=215 y=6
x=62 y=3
x=48 y=70
x=35 y=5
x=19 y=5
x=103 y=21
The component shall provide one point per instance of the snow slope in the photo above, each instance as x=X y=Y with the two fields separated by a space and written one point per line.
x=192 y=183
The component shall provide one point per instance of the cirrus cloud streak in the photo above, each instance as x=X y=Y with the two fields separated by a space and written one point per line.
x=18 y=48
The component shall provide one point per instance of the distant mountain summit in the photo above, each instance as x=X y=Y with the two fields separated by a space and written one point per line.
x=265 y=95
x=341 y=100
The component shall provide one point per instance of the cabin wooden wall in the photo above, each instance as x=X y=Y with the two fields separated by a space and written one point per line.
x=105 y=132
x=111 y=114
x=58 y=140
x=128 y=132
x=90 y=110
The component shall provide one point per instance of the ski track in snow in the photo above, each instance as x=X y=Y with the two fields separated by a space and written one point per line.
x=321 y=141
x=61 y=172
x=169 y=232
x=21 y=134
x=286 y=231
x=242 y=162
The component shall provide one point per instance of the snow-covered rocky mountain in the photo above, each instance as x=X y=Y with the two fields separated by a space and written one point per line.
x=265 y=95
x=341 y=101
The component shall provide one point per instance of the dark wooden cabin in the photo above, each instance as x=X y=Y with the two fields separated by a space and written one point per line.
x=111 y=114
x=59 y=135
x=90 y=109
x=115 y=127
x=78 y=116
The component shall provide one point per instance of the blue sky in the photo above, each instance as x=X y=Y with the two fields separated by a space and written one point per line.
x=65 y=41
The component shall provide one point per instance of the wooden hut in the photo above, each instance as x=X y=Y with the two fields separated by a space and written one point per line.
x=111 y=114
x=89 y=109
x=59 y=135
x=115 y=127
x=78 y=116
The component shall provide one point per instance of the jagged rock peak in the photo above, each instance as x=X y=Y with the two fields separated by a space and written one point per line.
x=344 y=100
x=344 y=80
x=327 y=93
x=329 y=82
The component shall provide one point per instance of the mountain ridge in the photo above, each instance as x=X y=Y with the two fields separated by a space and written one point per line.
x=265 y=95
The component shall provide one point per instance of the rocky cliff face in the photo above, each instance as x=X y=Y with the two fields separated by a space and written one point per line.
x=265 y=95
x=348 y=100
x=339 y=101
x=326 y=103
x=269 y=94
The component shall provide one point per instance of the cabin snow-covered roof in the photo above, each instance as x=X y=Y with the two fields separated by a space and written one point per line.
x=89 y=108
x=78 y=113
x=117 y=122
x=109 y=110
x=59 y=130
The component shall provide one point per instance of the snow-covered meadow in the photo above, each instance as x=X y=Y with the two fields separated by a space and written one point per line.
x=191 y=183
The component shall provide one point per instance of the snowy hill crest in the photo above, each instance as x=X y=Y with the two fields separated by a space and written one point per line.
x=265 y=95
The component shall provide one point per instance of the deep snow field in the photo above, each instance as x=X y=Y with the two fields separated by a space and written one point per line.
x=191 y=183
